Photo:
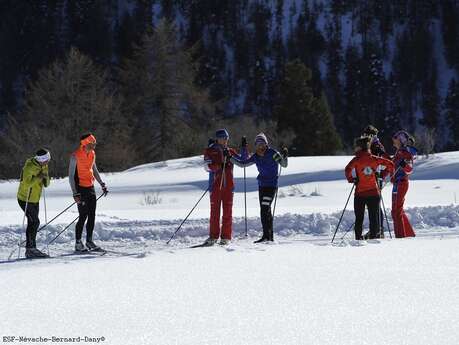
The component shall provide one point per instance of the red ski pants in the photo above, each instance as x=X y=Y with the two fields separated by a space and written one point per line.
x=219 y=198
x=402 y=226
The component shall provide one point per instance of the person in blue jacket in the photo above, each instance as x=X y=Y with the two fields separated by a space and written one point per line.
x=267 y=161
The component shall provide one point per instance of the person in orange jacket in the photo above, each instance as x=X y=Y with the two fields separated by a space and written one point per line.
x=377 y=149
x=82 y=173
x=403 y=161
x=217 y=157
x=367 y=192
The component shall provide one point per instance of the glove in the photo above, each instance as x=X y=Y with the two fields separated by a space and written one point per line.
x=285 y=152
x=277 y=157
x=354 y=180
x=77 y=197
x=104 y=189
x=226 y=154
x=402 y=163
x=244 y=142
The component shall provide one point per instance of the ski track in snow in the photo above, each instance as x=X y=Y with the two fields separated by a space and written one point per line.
x=147 y=236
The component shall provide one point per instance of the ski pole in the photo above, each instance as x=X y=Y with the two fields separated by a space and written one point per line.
x=245 y=204
x=342 y=214
x=43 y=227
x=46 y=218
x=189 y=214
x=68 y=226
x=223 y=174
x=23 y=223
x=385 y=214
x=347 y=231
x=277 y=191
x=384 y=208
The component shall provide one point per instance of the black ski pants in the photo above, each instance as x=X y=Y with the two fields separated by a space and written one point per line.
x=266 y=196
x=87 y=211
x=33 y=222
x=372 y=202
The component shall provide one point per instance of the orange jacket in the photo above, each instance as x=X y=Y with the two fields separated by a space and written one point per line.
x=365 y=166
x=84 y=171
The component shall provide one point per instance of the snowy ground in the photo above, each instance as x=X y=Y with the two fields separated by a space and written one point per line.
x=301 y=290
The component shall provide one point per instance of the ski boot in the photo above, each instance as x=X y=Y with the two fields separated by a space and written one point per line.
x=261 y=240
x=33 y=253
x=80 y=247
x=92 y=247
x=224 y=242
x=210 y=241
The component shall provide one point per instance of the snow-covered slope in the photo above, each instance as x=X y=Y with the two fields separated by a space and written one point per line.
x=300 y=290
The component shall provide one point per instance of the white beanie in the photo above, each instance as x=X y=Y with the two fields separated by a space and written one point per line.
x=42 y=156
x=261 y=139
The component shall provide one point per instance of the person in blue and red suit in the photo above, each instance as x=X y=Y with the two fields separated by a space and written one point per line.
x=377 y=149
x=267 y=161
x=367 y=192
x=403 y=161
x=217 y=158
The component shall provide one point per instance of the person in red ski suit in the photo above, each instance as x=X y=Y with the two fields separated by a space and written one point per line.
x=367 y=192
x=403 y=161
x=217 y=157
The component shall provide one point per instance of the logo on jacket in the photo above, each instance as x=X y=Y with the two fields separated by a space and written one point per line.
x=367 y=171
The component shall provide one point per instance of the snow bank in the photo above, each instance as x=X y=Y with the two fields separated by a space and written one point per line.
x=422 y=218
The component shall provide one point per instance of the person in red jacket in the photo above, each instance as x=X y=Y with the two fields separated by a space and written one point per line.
x=403 y=161
x=367 y=192
x=217 y=157
x=377 y=149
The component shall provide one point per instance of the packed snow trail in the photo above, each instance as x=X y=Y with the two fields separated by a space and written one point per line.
x=300 y=292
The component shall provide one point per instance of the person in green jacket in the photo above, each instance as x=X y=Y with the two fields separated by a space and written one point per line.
x=34 y=177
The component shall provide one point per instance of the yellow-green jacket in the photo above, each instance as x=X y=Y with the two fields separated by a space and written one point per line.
x=32 y=181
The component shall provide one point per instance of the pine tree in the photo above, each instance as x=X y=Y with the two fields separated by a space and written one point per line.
x=69 y=98
x=451 y=106
x=126 y=36
x=430 y=100
x=159 y=91
x=334 y=66
x=450 y=29
x=376 y=90
x=394 y=110
x=89 y=29
x=354 y=115
x=259 y=74
x=308 y=116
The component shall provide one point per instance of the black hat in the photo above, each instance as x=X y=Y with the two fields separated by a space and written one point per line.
x=362 y=142
x=370 y=130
